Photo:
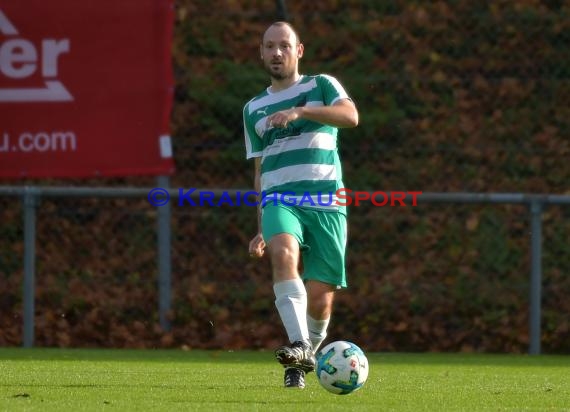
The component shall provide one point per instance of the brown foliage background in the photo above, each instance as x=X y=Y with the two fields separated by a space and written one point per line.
x=453 y=96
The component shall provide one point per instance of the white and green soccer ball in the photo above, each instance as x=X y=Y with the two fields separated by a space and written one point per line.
x=342 y=367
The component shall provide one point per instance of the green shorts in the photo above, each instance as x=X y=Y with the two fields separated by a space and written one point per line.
x=321 y=236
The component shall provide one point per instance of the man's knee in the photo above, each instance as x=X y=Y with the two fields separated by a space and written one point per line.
x=284 y=253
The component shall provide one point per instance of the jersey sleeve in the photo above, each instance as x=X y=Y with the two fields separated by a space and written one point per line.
x=332 y=89
x=253 y=143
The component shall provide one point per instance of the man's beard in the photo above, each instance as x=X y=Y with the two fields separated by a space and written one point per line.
x=281 y=74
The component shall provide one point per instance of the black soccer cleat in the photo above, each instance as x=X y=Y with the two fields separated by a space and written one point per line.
x=299 y=355
x=294 y=378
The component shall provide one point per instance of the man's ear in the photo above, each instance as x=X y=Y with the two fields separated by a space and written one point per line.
x=300 y=50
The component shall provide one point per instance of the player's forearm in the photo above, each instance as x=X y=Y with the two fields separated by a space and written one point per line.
x=339 y=115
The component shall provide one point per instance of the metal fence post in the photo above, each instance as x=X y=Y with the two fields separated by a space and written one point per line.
x=535 y=276
x=30 y=200
x=164 y=256
x=282 y=10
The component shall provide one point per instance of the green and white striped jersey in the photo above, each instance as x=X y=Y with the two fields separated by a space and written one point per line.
x=301 y=160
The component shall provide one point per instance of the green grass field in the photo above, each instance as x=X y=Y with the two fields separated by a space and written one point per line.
x=172 y=380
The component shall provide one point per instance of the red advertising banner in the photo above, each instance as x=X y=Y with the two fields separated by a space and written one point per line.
x=85 y=88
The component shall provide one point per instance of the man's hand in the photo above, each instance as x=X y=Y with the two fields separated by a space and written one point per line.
x=257 y=246
x=283 y=118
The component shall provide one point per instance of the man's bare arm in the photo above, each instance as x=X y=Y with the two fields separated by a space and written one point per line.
x=342 y=114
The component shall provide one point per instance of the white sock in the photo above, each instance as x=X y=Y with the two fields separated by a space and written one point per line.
x=291 y=303
x=317 y=331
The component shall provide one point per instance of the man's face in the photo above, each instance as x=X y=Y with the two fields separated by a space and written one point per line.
x=280 y=52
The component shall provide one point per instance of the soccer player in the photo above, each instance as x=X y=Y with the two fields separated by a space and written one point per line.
x=291 y=131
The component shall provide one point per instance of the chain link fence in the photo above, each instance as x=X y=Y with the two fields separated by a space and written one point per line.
x=453 y=96
x=445 y=277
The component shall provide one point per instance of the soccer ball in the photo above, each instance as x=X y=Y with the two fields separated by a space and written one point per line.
x=342 y=367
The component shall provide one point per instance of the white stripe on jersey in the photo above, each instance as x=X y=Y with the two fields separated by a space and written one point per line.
x=317 y=140
x=297 y=173
x=286 y=94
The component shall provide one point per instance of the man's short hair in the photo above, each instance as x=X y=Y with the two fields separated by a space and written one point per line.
x=287 y=24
